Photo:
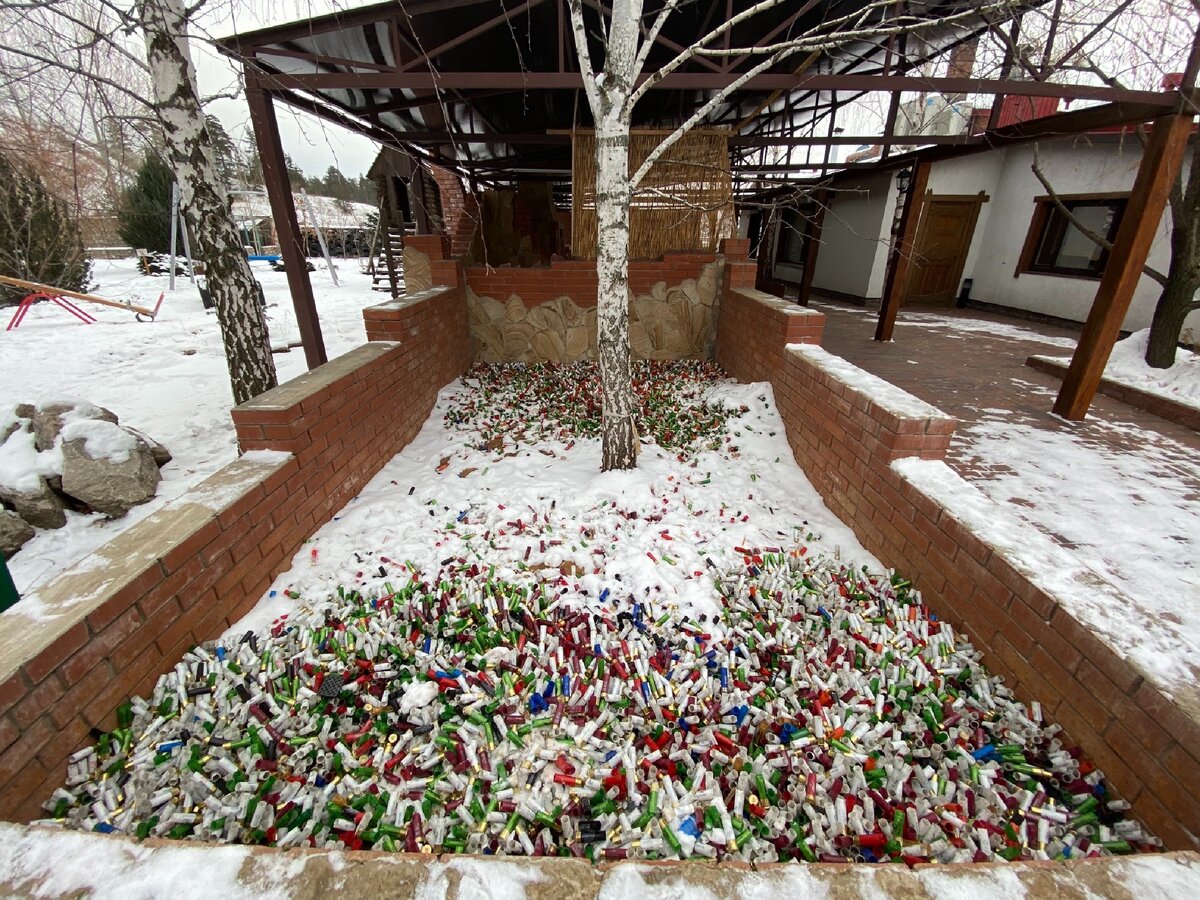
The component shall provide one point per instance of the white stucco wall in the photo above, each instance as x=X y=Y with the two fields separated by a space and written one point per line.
x=854 y=239
x=1074 y=166
x=853 y=255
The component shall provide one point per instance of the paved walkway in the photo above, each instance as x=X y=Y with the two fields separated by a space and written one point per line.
x=1121 y=489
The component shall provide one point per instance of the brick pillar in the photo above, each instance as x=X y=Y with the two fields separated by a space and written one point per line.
x=735 y=249
x=444 y=269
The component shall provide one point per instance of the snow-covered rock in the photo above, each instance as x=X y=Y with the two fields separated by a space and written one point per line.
x=14 y=532
x=107 y=467
x=50 y=419
x=39 y=505
x=161 y=454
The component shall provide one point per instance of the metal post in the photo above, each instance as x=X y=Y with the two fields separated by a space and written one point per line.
x=174 y=231
x=312 y=218
x=187 y=247
x=283 y=210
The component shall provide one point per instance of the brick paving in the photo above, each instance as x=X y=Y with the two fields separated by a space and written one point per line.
x=971 y=365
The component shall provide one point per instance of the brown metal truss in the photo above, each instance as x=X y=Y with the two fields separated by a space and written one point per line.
x=492 y=90
x=479 y=85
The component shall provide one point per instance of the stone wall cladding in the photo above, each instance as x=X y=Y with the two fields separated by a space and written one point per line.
x=669 y=320
x=1145 y=737
x=108 y=627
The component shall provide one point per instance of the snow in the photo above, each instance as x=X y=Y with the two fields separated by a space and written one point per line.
x=919 y=319
x=1127 y=366
x=20 y=463
x=329 y=212
x=57 y=864
x=1153 y=877
x=625 y=882
x=998 y=883
x=673 y=515
x=101 y=440
x=1166 y=643
x=898 y=402
x=478 y=879
x=166 y=378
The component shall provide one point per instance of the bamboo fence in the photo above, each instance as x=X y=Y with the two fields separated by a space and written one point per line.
x=685 y=202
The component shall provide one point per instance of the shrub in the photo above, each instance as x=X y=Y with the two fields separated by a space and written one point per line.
x=144 y=214
x=39 y=236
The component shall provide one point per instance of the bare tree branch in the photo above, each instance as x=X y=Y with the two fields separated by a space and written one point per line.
x=585 y=55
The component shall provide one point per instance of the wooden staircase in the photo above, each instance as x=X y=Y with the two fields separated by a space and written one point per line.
x=386 y=266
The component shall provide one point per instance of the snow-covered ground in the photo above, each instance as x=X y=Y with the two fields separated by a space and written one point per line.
x=662 y=526
x=1122 y=498
x=1127 y=366
x=1132 y=517
x=166 y=378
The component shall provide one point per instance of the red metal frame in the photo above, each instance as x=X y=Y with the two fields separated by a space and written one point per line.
x=29 y=299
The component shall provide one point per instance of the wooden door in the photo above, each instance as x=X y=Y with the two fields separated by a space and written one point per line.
x=943 y=241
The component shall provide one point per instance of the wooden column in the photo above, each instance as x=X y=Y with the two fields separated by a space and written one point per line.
x=901 y=252
x=287 y=229
x=812 y=246
x=1143 y=213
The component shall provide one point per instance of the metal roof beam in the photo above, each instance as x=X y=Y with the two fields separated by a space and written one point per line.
x=711 y=81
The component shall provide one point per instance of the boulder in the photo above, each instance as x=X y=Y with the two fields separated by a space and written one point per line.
x=11 y=428
x=14 y=533
x=50 y=418
x=107 y=467
x=161 y=454
x=38 y=505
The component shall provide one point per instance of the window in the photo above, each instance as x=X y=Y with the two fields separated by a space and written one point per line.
x=1054 y=246
x=793 y=233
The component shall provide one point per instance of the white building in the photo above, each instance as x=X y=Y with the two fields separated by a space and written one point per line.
x=987 y=218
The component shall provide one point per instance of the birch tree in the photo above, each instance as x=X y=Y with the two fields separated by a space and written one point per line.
x=612 y=94
x=79 y=38
x=189 y=146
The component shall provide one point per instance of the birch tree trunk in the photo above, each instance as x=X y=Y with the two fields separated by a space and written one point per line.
x=176 y=104
x=609 y=98
x=618 y=435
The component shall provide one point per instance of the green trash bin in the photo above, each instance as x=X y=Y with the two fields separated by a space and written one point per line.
x=8 y=590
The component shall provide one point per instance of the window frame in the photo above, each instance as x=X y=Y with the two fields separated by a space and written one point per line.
x=1044 y=213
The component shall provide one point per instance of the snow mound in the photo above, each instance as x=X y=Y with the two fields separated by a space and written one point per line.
x=102 y=440
x=1181 y=382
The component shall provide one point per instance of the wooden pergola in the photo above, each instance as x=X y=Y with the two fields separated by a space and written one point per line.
x=492 y=90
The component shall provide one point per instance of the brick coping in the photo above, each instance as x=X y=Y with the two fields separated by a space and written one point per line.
x=74 y=605
x=24 y=862
x=1163 y=407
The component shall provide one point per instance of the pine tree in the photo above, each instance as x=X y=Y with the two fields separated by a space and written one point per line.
x=229 y=159
x=39 y=237
x=144 y=215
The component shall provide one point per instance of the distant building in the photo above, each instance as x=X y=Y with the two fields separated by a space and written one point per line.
x=348 y=227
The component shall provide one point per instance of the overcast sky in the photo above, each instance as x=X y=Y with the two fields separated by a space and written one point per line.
x=313 y=144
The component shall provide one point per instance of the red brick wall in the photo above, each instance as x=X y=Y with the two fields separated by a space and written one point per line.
x=576 y=278
x=753 y=328
x=459 y=209
x=196 y=566
x=846 y=442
